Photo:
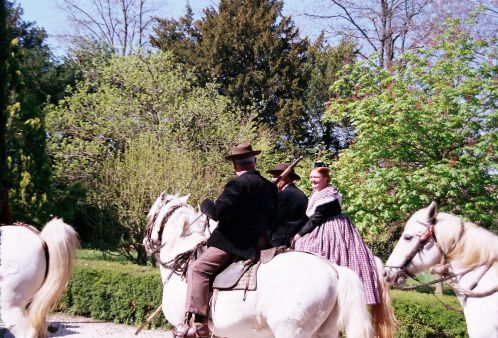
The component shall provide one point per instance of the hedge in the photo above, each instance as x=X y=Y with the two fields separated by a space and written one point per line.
x=114 y=292
x=128 y=294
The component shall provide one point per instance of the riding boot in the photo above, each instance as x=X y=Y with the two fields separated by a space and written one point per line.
x=192 y=328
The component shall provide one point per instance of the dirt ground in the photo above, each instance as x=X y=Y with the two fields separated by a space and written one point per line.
x=81 y=327
x=76 y=327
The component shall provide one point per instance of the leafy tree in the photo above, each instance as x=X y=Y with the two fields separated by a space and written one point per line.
x=253 y=53
x=426 y=130
x=325 y=63
x=138 y=129
x=5 y=40
x=33 y=78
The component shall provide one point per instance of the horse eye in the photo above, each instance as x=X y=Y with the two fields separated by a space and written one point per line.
x=408 y=237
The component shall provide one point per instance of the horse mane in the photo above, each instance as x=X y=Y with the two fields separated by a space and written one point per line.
x=474 y=246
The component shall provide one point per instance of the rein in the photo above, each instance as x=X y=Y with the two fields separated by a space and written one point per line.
x=442 y=268
x=179 y=264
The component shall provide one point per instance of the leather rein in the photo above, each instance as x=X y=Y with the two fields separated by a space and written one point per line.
x=179 y=263
x=443 y=267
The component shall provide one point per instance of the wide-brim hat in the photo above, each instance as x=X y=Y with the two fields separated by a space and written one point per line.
x=280 y=168
x=241 y=151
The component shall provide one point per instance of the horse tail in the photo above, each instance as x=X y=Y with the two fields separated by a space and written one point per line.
x=353 y=311
x=383 y=316
x=62 y=242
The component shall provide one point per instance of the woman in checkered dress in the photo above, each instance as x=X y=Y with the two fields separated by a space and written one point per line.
x=331 y=234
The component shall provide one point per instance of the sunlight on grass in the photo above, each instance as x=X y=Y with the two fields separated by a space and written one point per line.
x=110 y=260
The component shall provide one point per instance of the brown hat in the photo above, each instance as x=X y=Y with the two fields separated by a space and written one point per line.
x=241 y=151
x=280 y=168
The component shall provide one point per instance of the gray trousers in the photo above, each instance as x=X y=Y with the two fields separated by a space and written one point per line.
x=199 y=276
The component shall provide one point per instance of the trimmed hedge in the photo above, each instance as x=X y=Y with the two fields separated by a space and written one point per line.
x=114 y=292
x=128 y=294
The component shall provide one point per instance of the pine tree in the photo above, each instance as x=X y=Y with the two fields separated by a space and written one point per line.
x=253 y=53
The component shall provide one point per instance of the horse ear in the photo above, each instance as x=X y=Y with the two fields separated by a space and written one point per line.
x=431 y=211
x=184 y=199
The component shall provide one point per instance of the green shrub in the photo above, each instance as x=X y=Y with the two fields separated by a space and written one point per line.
x=114 y=292
x=127 y=293
x=423 y=315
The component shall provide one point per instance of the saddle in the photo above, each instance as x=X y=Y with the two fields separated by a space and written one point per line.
x=242 y=275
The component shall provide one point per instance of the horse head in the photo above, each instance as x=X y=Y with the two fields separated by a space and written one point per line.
x=173 y=227
x=417 y=248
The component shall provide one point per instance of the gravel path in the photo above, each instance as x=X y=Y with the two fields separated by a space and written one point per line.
x=81 y=327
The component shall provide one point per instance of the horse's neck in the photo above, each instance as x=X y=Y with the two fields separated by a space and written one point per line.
x=477 y=278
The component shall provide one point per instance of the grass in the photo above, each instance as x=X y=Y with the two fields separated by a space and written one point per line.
x=110 y=260
x=426 y=277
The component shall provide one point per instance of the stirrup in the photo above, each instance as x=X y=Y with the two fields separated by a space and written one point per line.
x=191 y=330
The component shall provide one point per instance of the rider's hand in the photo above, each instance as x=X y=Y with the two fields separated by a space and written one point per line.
x=296 y=237
x=206 y=205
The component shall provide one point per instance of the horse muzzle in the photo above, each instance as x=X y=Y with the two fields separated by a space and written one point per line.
x=395 y=276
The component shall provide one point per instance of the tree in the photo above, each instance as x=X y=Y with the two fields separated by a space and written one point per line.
x=5 y=40
x=390 y=27
x=121 y=24
x=425 y=131
x=325 y=63
x=253 y=53
x=33 y=78
x=141 y=127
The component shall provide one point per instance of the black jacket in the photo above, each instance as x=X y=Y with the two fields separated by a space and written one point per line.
x=322 y=213
x=244 y=211
x=291 y=215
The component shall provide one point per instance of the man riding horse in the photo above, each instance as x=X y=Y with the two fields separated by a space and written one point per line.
x=244 y=211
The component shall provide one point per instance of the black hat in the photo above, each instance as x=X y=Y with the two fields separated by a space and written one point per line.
x=319 y=164
x=280 y=168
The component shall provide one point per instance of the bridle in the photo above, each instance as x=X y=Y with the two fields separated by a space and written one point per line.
x=442 y=267
x=423 y=239
x=179 y=263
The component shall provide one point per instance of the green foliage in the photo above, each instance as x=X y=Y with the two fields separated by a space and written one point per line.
x=34 y=77
x=109 y=293
x=5 y=40
x=421 y=315
x=425 y=130
x=325 y=63
x=252 y=52
x=139 y=128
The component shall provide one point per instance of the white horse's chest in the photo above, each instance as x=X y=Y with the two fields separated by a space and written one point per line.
x=481 y=313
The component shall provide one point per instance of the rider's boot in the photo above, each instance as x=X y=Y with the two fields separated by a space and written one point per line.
x=195 y=326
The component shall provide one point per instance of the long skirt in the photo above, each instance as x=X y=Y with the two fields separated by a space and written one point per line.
x=339 y=241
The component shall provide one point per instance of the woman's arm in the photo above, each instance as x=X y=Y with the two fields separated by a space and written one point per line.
x=322 y=213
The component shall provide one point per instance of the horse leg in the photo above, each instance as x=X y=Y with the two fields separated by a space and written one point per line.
x=14 y=319
x=330 y=328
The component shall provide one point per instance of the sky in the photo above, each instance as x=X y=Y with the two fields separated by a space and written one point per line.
x=48 y=15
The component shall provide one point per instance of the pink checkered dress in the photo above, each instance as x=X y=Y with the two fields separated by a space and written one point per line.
x=339 y=241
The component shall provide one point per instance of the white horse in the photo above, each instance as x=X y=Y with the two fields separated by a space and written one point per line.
x=32 y=279
x=298 y=295
x=468 y=256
